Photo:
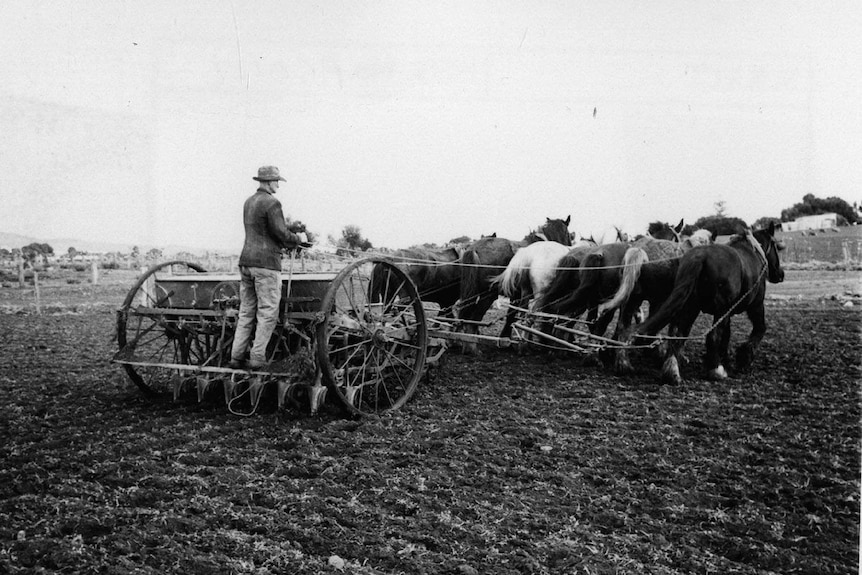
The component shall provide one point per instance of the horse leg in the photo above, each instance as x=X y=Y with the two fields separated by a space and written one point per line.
x=511 y=315
x=521 y=300
x=628 y=315
x=680 y=327
x=724 y=346
x=598 y=326
x=716 y=349
x=745 y=352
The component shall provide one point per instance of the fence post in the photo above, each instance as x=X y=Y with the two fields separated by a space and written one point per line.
x=94 y=271
x=20 y=272
x=38 y=293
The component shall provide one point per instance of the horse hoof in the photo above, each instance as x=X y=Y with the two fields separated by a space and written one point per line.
x=470 y=349
x=607 y=358
x=670 y=371
x=623 y=368
x=717 y=374
x=671 y=378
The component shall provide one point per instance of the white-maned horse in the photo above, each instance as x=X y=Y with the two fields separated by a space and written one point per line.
x=527 y=276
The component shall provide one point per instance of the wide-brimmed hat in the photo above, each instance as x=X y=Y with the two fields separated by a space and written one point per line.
x=268 y=174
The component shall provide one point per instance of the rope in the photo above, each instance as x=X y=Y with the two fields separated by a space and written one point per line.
x=254 y=407
x=657 y=338
x=456 y=263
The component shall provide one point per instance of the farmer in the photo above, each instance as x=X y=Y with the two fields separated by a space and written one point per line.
x=260 y=265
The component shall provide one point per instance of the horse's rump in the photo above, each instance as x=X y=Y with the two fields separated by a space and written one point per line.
x=531 y=268
x=434 y=272
x=633 y=262
x=566 y=279
x=480 y=262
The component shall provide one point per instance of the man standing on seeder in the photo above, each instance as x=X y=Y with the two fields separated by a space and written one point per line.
x=266 y=234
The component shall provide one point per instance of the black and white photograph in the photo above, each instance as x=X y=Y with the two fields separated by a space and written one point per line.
x=410 y=287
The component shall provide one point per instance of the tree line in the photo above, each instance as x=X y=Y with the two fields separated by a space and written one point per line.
x=720 y=223
x=352 y=241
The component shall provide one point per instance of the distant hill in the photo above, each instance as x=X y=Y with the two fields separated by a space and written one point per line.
x=62 y=245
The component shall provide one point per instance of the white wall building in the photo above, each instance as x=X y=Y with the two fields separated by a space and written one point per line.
x=817 y=222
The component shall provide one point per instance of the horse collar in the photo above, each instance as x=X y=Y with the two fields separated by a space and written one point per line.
x=757 y=247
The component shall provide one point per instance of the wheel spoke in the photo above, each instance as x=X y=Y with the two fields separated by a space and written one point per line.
x=154 y=339
x=375 y=362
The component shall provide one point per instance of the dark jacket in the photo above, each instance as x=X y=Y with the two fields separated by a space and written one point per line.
x=265 y=232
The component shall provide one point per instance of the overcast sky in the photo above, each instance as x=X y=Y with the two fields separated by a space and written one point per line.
x=144 y=122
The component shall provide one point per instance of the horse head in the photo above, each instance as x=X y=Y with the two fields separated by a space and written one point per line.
x=585 y=242
x=621 y=235
x=556 y=230
x=770 y=247
x=664 y=231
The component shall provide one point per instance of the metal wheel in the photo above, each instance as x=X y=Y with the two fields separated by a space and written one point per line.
x=150 y=331
x=371 y=353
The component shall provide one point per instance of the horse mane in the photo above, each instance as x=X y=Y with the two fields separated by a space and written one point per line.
x=701 y=237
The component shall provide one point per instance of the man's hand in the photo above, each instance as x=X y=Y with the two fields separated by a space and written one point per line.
x=303 y=237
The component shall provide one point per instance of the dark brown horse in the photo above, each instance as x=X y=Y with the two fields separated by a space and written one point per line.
x=587 y=278
x=647 y=273
x=488 y=257
x=722 y=280
x=435 y=273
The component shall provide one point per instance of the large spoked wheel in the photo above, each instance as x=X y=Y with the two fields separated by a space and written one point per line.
x=148 y=333
x=371 y=353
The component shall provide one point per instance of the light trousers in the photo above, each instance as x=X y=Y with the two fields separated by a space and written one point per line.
x=259 y=297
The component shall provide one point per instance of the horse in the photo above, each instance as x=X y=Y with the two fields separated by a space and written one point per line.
x=588 y=278
x=722 y=280
x=599 y=275
x=483 y=260
x=648 y=270
x=553 y=230
x=434 y=272
x=664 y=231
x=527 y=276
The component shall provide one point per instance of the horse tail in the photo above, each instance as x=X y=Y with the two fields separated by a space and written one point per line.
x=375 y=285
x=471 y=281
x=684 y=289
x=633 y=261
x=565 y=281
x=590 y=283
x=510 y=279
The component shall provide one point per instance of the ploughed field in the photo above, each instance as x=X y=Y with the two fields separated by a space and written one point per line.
x=505 y=463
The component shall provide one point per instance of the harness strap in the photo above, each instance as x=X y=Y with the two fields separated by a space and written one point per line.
x=757 y=247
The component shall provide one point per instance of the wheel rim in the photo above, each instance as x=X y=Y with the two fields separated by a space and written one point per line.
x=145 y=336
x=372 y=353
